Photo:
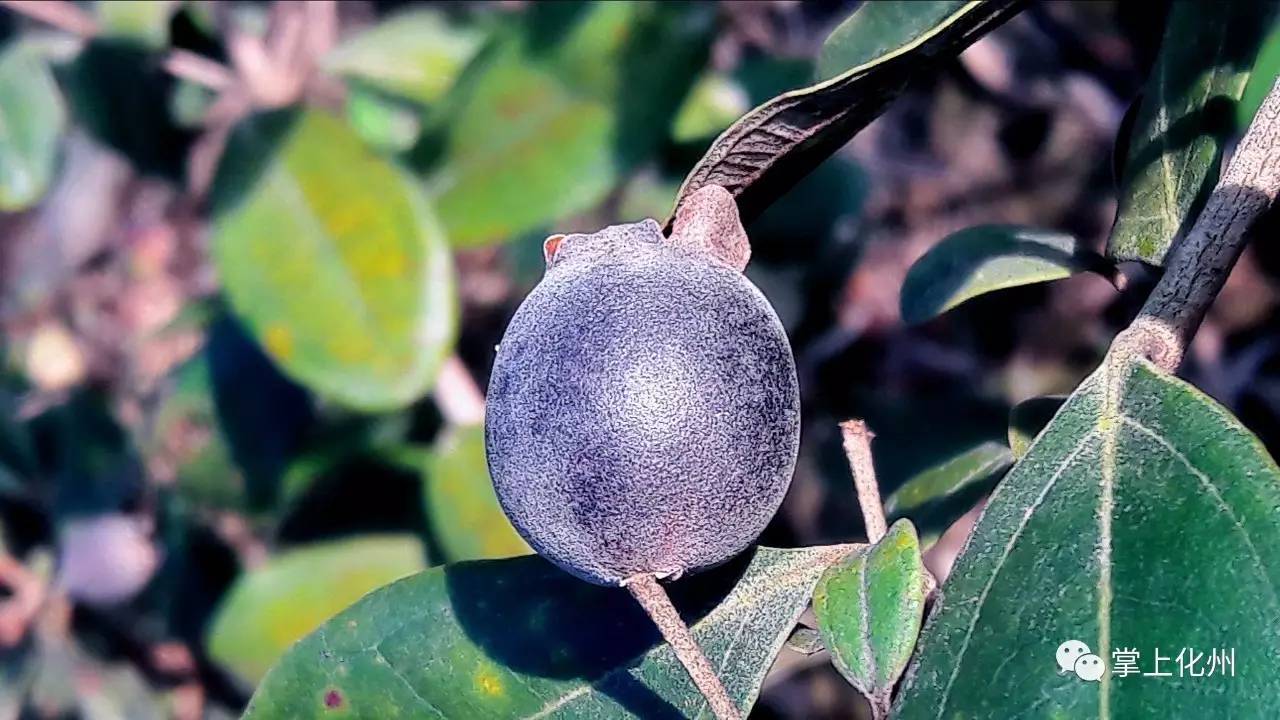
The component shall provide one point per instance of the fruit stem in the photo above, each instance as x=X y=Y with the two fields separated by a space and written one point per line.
x=857 y=448
x=657 y=604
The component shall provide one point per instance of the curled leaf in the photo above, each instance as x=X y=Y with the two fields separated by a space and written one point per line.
x=986 y=258
x=938 y=496
x=770 y=148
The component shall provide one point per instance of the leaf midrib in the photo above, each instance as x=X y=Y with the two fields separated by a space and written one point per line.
x=324 y=242
x=785 y=577
x=782 y=580
x=1116 y=373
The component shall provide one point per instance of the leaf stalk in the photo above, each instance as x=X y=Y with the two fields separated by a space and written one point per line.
x=655 y=601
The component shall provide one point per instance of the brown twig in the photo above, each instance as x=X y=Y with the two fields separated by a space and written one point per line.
x=279 y=68
x=857 y=448
x=65 y=16
x=459 y=398
x=1198 y=266
x=646 y=590
x=198 y=69
x=19 y=610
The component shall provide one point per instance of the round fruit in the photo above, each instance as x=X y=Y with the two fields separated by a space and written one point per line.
x=643 y=411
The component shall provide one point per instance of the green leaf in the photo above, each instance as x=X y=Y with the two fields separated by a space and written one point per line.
x=1143 y=517
x=770 y=148
x=713 y=104
x=1028 y=418
x=189 y=102
x=145 y=22
x=878 y=28
x=270 y=608
x=586 y=56
x=17 y=446
x=334 y=260
x=416 y=54
x=532 y=135
x=668 y=45
x=462 y=507
x=32 y=120
x=89 y=455
x=359 y=444
x=645 y=195
x=385 y=123
x=937 y=497
x=556 y=116
x=1186 y=117
x=185 y=438
x=519 y=638
x=119 y=92
x=1265 y=71
x=986 y=258
x=805 y=640
x=869 y=608
x=805 y=220
x=263 y=416
x=524 y=151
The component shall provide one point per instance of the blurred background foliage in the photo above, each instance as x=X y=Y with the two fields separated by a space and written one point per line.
x=254 y=259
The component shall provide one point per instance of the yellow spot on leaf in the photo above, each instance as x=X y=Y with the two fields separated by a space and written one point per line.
x=488 y=683
x=279 y=341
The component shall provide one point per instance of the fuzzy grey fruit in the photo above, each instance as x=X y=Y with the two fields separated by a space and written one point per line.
x=643 y=412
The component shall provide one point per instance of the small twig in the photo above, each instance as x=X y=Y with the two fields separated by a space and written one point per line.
x=154 y=656
x=1198 y=266
x=857 y=448
x=277 y=68
x=219 y=120
x=65 y=16
x=27 y=593
x=198 y=69
x=646 y=590
x=322 y=28
x=174 y=659
x=459 y=398
x=232 y=529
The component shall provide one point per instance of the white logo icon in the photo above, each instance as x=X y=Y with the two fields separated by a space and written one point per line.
x=1075 y=657
x=1089 y=667
x=1068 y=653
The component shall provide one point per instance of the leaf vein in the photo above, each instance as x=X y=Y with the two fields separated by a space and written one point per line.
x=1004 y=555
x=408 y=685
x=1217 y=496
